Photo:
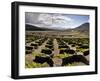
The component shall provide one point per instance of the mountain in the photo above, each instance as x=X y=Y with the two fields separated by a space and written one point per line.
x=83 y=28
x=80 y=31
x=35 y=28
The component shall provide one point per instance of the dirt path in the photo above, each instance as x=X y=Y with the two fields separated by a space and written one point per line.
x=57 y=61
x=29 y=44
x=78 y=53
x=29 y=57
x=38 y=50
x=74 y=48
x=56 y=50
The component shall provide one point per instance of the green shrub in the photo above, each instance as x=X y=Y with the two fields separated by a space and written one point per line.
x=34 y=44
x=28 y=51
x=39 y=54
x=49 y=46
x=81 y=49
x=35 y=65
x=62 y=55
x=62 y=50
x=46 y=51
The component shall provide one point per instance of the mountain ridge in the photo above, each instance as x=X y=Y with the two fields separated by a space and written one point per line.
x=82 y=28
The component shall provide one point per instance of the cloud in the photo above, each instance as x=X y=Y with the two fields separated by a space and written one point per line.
x=62 y=18
x=45 y=19
x=54 y=20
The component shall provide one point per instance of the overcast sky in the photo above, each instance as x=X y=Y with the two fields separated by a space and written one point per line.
x=55 y=20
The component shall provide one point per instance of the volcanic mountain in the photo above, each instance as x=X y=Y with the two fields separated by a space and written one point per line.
x=82 y=28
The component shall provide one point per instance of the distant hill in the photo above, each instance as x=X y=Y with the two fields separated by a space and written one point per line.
x=83 y=28
x=35 y=28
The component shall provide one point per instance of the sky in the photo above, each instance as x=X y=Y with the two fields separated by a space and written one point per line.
x=55 y=20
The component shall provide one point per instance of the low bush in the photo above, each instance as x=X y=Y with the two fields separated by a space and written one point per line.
x=70 y=51
x=63 y=46
x=73 y=45
x=85 y=53
x=42 y=60
x=28 y=47
x=74 y=58
x=46 y=51
x=62 y=55
x=34 y=54
x=28 y=51
x=34 y=44
x=62 y=50
x=35 y=65
x=84 y=46
x=49 y=46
